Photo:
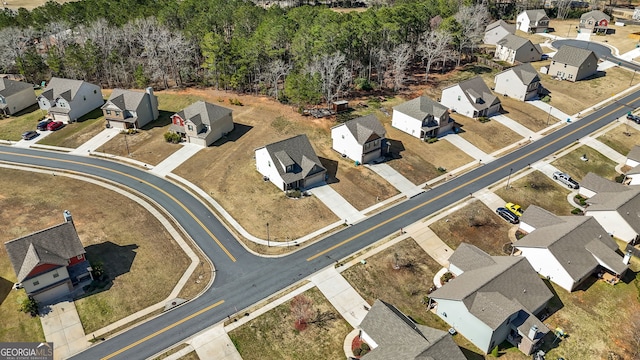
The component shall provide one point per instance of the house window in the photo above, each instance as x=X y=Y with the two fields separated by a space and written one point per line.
x=190 y=127
x=95 y=91
x=269 y=163
x=36 y=283
x=117 y=113
x=343 y=136
x=458 y=97
x=289 y=168
x=55 y=274
x=80 y=257
x=375 y=143
x=108 y=112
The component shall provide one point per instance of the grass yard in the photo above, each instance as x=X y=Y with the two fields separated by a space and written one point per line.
x=275 y=334
x=75 y=134
x=14 y=126
x=525 y=114
x=598 y=164
x=130 y=249
x=621 y=138
x=488 y=137
x=475 y=224
x=537 y=189
x=406 y=287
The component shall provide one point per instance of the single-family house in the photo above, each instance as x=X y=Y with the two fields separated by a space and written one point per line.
x=422 y=118
x=633 y=160
x=50 y=262
x=393 y=335
x=67 y=100
x=573 y=64
x=618 y=212
x=519 y=82
x=130 y=109
x=633 y=157
x=596 y=21
x=202 y=123
x=513 y=48
x=568 y=249
x=361 y=139
x=290 y=164
x=493 y=299
x=15 y=96
x=497 y=30
x=592 y=184
x=471 y=98
x=533 y=21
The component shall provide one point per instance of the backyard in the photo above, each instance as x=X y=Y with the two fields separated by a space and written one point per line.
x=597 y=163
x=129 y=249
x=475 y=224
x=537 y=189
x=278 y=334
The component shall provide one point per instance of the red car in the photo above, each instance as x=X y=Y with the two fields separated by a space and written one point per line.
x=54 y=125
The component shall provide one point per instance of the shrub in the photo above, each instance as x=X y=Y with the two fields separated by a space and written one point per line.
x=546 y=99
x=29 y=305
x=363 y=84
x=576 y=211
x=441 y=169
x=483 y=119
x=494 y=352
x=432 y=140
x=620 y=178
x=235 y=101
x=446 y=277
x=294 y=193
x=357 y=351
x=97 y=270
x=172 y=137
x=365 y=347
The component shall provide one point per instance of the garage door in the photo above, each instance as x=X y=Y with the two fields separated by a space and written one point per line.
x=61 y=117
x=52 y=294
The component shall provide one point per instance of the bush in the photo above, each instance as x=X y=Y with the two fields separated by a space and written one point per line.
x=546 y=99
x=432 y=140
x=363 y=84
x=357 y=351
x=442 y=170
x=29 y=305
x=446 y=277
x=235 y=101
x=483 y=119
x=294 y=193
x=620 y=178
x=172 y=137
x=494 y=352
x=576 y=211
x=365 y=347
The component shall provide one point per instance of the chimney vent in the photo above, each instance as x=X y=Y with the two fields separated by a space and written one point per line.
x=627 y=257
x=533 y=331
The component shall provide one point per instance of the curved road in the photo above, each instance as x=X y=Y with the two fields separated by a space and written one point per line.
x=603 y=52
x=242 y=278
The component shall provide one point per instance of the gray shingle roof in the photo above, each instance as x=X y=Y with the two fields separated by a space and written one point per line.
x=573 y=243
x=598 y=184
x=633 y=171
x=535 y=15
x=295 y=151
x=525 y=72
x=634 y=153
x=201 y=112
x=511 y=28
x=398 y=337
x=54 y=245
x=511 y=276
x=614 y=200
x=10 y=87
x=574 y=56
x=538 y=217
x=421 y=107
x=64 y=88
x=514 y=42
x=364 y=127
x=124 y=99
x=468 y=257
x=476 y=88
x=596 y=14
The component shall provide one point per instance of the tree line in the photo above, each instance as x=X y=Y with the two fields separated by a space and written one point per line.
x=302 y=55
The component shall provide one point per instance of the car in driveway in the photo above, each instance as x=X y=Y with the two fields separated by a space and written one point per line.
x=507 y=215
x=635 y=118
x=565 y=179
x=28 y=135
x=42 y=125
x=514 y=208
x=54 y=125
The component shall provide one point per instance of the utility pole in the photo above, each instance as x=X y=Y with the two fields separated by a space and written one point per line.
x=549 y=116
x=126 y=143
x=509 y=178
x=268 y=241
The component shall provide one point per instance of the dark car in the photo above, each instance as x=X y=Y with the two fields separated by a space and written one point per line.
x=42 y=125
x=635 y=118
x=28 y=135
x=54 y=125
x=507 y=215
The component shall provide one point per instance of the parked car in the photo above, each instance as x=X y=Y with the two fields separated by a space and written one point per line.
x=42 y=125
x=507 y=215
x=635 y=118
x=566 y=179
x=54 y=125
x=514 y=208
x=28 y=135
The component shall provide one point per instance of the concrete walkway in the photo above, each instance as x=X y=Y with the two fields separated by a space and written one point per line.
x=469 y=148
x=545 y=168
x=61 y=326
x=396 y=179
x=554 y=112
x=27 y=143
x=215 y=344
x=96 y=142
x=489 y=198
x=337 y=204
x=515 y=126
x=341 y=295
x=603 y=149
x=176 y=159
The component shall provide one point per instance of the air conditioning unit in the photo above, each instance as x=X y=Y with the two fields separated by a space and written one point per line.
x=17 y=286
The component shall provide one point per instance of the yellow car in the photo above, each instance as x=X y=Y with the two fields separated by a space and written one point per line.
x=514 y=208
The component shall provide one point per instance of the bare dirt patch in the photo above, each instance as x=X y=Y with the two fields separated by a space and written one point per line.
x=29 y=4
x=537 y=189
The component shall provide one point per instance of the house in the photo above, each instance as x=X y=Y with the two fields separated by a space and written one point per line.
x=532 y=21
x=568 y=249
x=519 y=82
x=497 y=30
x=361 y=139
x=290 y=164
x=618 y=212
x=202 y=123
x=422 y=118
x=67 y=100
x=471 y=98
x=633 y=160
x=596 y=21
x=512 y=49
x=50 y=262
x=130 y=109
x=15 y=96
x=493 y=299
x=573 y=64
x=592 y=184
x=388 y=332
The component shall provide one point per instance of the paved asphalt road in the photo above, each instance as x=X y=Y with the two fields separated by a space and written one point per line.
x=248 y=279
x=603 y=52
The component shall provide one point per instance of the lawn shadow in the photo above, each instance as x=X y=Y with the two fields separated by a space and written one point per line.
x=332 y=169
x=5 y=288
x=477 y=69
x=553 y=305
x=587 y=283
x=91 y=115
x=116 y=259
x=628 y=277
x=395 y=148
x=597 y=75
x=471 y=355
x=238 y=131
x=29 y=110
x=163 y=120
x=458 y=128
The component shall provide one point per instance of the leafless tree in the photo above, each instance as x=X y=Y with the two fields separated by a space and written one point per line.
x=331 y=76
x=563 y=7
x=14 y=42
x=275 y=70
x=400 y=57
x=302 y=309
x=472 y=20
x=432 y=47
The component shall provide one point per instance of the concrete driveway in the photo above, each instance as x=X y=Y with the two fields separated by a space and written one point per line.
x=61 y=326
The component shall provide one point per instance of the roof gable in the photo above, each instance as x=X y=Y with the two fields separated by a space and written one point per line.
x=65 y=88
x=201 y=112
x=478 y=93
x=363 y=128
x=524 y=72
x=510 y=28
x=126 y=99
x=422 y=107
x=574 y=56
x=597 y=184
x=596 y=14
x=535 y=15
x=297 y=152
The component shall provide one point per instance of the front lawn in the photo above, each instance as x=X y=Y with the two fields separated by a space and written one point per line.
x=75 y=134
x=537 y=189
x=489 y=136
x=597 y=163
x=621 y=138
x=13 y=127
x=525 y=114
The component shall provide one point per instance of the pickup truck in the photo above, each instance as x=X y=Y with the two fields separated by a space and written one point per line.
x=565 y=179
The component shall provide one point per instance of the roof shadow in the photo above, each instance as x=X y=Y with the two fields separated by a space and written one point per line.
x=5 y=288
x=116 y=259
x=238 y=131
x=332 y=169
x=395 y=148
x=163 y=119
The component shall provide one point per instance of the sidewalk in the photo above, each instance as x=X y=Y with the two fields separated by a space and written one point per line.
x=396 y=179
x=176 y=159
x=515 y=126
x=96 y=142
x=470 y=149
x=337 y=204
x=554 y=112
x=603 y=149
x=489 y=198
x=341 y=295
